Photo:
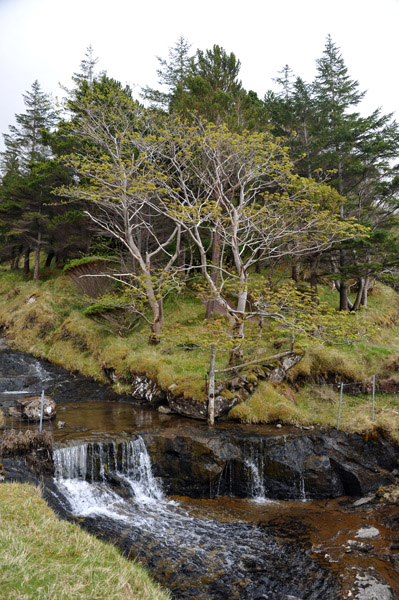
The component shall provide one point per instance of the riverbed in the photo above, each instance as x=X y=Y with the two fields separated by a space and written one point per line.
x=110 y=479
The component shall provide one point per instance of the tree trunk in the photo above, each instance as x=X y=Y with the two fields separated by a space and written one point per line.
x=155 y=335
x=295 y=272
x=210 y=305
x=314 y=263
x=157 y=324
x=359 y=296
x=12 y=258
x=211 y=386
x=49 y=258
x=37 y=257
x=338 y=288
x=236 y=355
x=343 y=288
x=365 y=292
x=343 y=296
x=26 y=261
x=15 y=258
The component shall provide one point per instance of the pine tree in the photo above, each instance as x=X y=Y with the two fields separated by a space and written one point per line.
x=329 y=138
x=27 y=134
x=25 y=148
x=172 y=73
x=87 y=66
x=212 y=88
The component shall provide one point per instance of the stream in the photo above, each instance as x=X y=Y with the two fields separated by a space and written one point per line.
x=204 y=509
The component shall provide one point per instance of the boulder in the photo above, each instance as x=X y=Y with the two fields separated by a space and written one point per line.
x=146 y=391
x=279 y=373
x=29 y=408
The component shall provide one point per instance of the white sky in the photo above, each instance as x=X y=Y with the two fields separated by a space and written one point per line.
x=47 y=39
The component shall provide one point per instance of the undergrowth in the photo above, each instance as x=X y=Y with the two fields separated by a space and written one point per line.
x=14 y=443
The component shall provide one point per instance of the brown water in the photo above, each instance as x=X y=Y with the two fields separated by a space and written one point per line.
x=322 y=531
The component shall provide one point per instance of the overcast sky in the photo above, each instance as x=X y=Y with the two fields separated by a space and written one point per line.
x=47 y=39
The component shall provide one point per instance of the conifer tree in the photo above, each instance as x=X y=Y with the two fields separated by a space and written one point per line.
x=87 y=66
x=330 y=138
x=25 y=140
x=29 y=173
x=172 y=74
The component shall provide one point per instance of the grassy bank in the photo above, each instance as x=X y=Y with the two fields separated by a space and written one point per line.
x=47 y=318
x=36 y=565
x=317 y=405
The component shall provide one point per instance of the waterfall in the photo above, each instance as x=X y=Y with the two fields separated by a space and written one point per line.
x=302 y=491
x=70 y=462
x=256 y=480
x=138 y=472
x=255 y=467
x=83 y=473
x=40 y=372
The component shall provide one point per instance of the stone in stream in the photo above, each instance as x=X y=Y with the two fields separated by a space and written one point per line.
x=367 y=533
x=29 y=408
x=370 y=588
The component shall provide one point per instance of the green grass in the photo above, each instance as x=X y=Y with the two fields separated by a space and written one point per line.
x=318 y=405
x=46 y=318
x=47 y=559
x=52 y=326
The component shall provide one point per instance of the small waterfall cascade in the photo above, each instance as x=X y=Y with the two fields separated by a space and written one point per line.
x=124 y=463
x=40 y=372
x=254 y=462
x=70 y=462
x=138 y=471
x=302 y=491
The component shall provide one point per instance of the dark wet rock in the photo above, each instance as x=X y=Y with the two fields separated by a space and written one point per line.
x=30 y=408
x=33 y=467
x=188 y=407
x=23 y=372
x=235 y=383
x=223 y=404
x=207 y=463
x=111 y=374
x=197 y=409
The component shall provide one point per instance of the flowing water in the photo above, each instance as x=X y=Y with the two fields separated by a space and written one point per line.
x=219 y=547
x=196 y=554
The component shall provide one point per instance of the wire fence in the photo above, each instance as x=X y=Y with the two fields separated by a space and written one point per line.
x=14 y=419
x=353 y=388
